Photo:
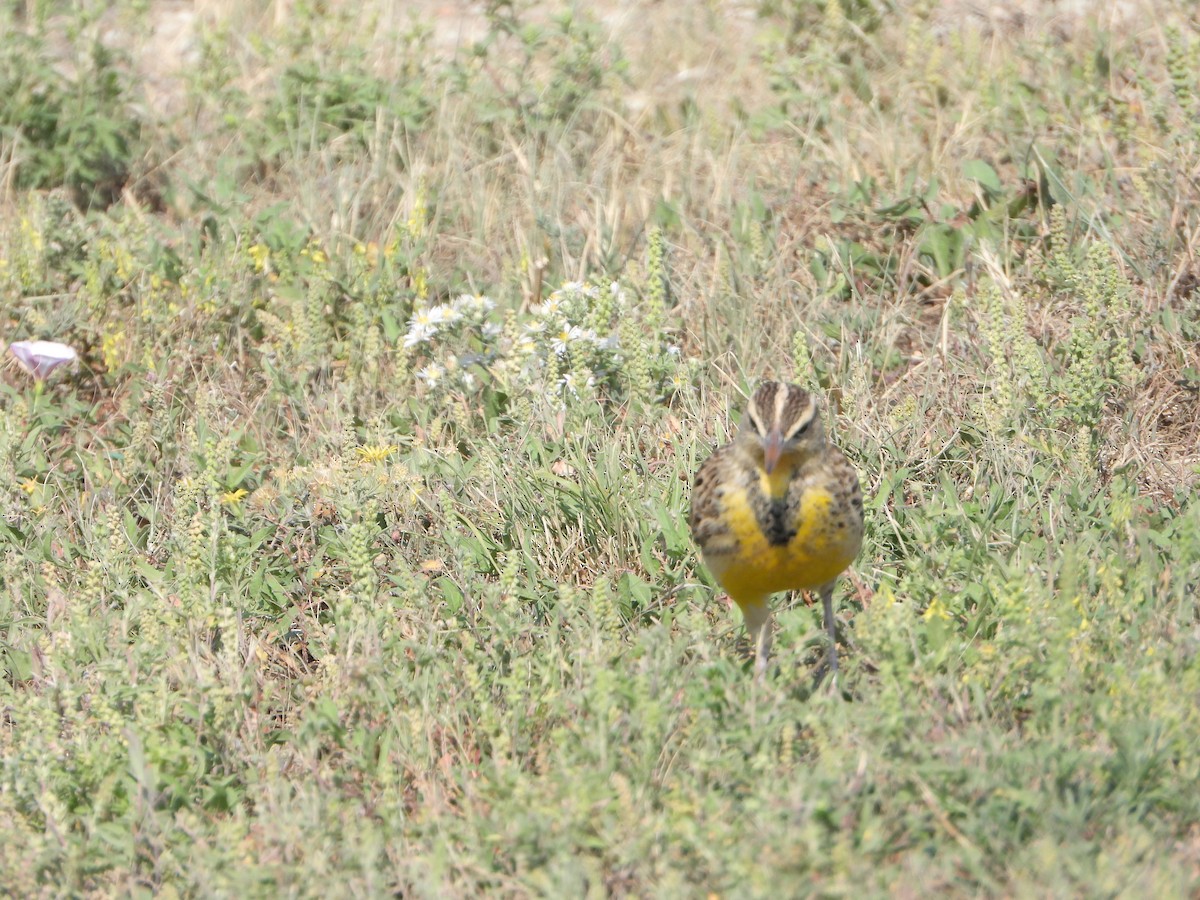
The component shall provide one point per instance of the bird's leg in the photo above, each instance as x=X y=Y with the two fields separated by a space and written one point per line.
x=831 y=627
x=758 y=625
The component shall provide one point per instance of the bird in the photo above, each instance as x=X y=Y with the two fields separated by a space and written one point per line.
x=778 y=508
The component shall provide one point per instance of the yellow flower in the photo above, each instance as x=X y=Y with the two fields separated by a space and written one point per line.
x=233 y=498
x=937 y=609
x=260 y=254
x=314 y=252
x=416 y=219
x=29 y=486
x=32 y=235
x=374 y=453
x=112 y=346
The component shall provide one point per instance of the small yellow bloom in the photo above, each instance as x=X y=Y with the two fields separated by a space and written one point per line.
x=29 y=486
x=374 y=453
x=112 y=346
x=233 y=498
x=261 y=255
x=937 y=609
x=416 y=218
x=32 y=235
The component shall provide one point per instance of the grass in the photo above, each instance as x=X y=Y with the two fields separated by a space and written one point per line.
x=352 y=559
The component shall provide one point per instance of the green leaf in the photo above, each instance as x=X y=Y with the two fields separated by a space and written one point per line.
x=635 y=590
x=18 y=665
x=979 y=171
x=451 y=594
x=391 y=326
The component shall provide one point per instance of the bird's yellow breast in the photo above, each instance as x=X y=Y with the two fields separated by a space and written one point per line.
x=823 y=546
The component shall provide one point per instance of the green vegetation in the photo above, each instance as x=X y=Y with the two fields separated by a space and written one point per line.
x=351 y=558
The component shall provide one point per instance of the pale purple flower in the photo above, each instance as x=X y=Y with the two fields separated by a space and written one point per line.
x=40 y=358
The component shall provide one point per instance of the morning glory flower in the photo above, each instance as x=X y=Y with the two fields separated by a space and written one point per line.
x=40 y=358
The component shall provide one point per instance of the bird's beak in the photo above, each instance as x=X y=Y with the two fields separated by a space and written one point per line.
x=772 y=450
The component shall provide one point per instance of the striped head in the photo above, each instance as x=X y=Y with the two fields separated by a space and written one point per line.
x=782 y=427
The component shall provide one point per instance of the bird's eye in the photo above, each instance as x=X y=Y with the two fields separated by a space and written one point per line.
x=803 y=428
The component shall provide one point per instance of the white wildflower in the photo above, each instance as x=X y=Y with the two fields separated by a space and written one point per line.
x=610 y=343
x=431 y=375
x=553 y=306
x=442 y=314
x=421 y=327
x=567 y=335
x=570 y=383
x=475 y=305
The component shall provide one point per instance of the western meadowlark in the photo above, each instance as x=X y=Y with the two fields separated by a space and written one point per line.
x=777 y=509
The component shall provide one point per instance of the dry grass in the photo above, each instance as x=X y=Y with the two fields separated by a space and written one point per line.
x=300 y=598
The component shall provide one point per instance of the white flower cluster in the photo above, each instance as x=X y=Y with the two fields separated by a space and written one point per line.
x=562 y=348
x=429 y=321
